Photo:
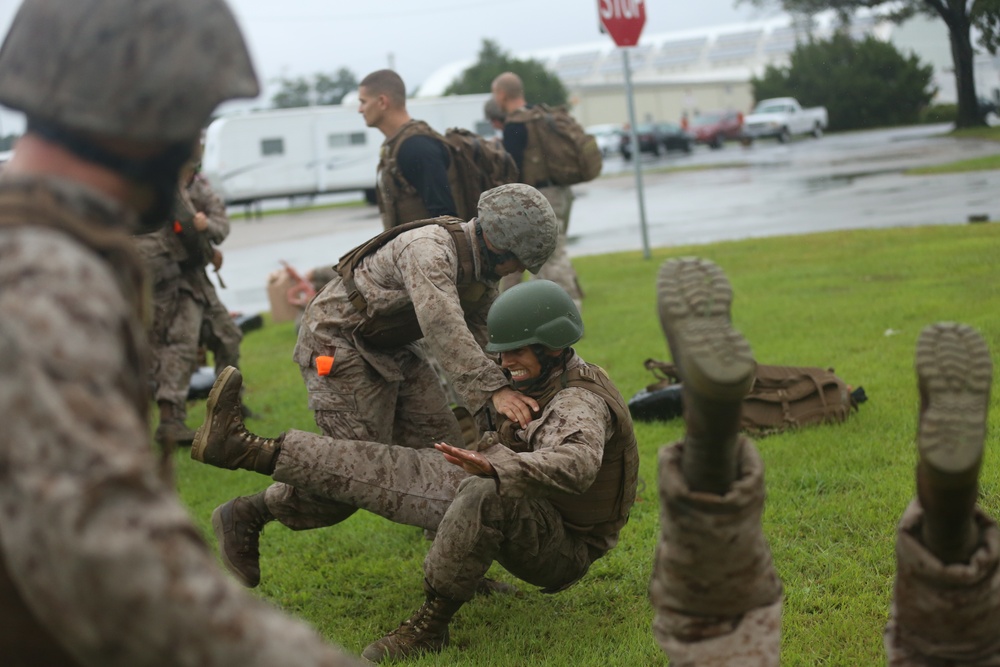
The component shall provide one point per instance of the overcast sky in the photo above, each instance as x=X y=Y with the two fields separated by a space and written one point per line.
x=301 y=37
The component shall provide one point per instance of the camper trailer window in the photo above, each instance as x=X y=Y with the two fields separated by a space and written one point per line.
x=272 y=146
x=347 y=139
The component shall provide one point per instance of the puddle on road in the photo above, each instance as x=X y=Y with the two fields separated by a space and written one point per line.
x=833 y=181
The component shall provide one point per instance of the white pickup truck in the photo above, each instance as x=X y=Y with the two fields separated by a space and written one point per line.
x=783 y=118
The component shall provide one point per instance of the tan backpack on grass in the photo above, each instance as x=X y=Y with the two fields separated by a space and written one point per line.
x=782 y=398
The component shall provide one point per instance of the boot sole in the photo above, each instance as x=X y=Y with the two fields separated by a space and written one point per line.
x=202 y=435
x=220 y=537
x=955 y=373
x=694 y=298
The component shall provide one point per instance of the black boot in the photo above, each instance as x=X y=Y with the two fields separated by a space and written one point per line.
x=237 y=525
x=716 y=367
x=424 y=632
x=223 y=440
x=954 y=373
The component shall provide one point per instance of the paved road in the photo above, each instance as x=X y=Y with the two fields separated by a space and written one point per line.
x=845 y=181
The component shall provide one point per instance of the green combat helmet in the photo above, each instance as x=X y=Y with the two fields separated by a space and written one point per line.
x=537 y=312
x=519 y=219
x=146 y=71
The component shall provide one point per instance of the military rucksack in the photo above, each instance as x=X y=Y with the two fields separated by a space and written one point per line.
x=782 y=398
x=481 y=165
x=570 y=154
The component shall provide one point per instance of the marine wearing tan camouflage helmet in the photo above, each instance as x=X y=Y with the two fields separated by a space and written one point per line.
x=518 y=219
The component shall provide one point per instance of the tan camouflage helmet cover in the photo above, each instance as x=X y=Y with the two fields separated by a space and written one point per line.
x=148 y=70
x=518 y=218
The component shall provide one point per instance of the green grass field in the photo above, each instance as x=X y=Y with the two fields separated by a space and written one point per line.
x=855 y=301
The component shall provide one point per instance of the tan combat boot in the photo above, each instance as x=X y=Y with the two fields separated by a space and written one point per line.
x=223 y=441
x=237 y=525
x=954 y=373
x=716 y=367
x=424 y=632
x=172 y=428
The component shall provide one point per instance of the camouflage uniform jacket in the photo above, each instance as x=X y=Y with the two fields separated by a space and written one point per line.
x=419 y=266
x=562 y=452
x=200 y=197
x=100 y=564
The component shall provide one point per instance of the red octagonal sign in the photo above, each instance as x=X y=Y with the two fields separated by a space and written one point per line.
x=623 y=19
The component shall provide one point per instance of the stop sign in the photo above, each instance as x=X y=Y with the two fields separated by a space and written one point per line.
x=623 y=19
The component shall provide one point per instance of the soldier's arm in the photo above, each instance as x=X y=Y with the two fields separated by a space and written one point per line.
x=423 y=161
x=100 y=547
x=206 y=201
x=428 y=270
x=567 y=445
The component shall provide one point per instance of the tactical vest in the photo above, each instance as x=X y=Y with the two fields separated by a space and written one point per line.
x=534 y=172
x=398 y=200
x=24 y=641
x=603 y=507
x=396 y=329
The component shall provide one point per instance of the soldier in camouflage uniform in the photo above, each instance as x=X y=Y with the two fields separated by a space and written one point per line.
x=508 y=91
x=100 y=564
x=715 y=593
x=433 y=280
x=545 y=499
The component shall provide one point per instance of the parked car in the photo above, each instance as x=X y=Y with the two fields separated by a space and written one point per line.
x=714 y=128
x=657 y=138
x=675 y=138
x=609 y=137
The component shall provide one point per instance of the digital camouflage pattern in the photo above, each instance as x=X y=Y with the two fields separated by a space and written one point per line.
x=100 y=565
x=150 y=47
x=478 y=520
x=715 y=593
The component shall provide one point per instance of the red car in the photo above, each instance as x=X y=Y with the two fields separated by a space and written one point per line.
x=715 y=127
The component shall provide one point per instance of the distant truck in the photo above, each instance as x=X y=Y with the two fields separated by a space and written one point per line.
x=783 y=118
x=252 y=156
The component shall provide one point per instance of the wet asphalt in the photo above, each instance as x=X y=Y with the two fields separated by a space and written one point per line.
x=844 y=181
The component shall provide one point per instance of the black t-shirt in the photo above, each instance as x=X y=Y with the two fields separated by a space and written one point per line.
x=424 y=162
x=515 y=140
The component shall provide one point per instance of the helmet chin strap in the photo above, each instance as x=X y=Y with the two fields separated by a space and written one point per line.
x=159 y=173
x=491 y=259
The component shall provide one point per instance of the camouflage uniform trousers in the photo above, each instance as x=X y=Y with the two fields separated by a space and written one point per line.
x=475 y=525
x=716 y=596
x=944 y=614
x=355 y=402
x=558 y=268
x=181 y=309
x=219 y=333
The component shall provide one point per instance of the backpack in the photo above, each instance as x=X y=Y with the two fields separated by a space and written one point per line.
x=571 y=155
x=480 y=165
x=782 y=398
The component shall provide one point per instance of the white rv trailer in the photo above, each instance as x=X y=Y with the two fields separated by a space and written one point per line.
x=314 y=150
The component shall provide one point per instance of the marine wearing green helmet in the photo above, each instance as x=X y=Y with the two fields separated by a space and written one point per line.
x=538 y=312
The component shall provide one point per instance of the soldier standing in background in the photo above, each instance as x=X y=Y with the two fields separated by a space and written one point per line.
x=522 y=142
x=416 y=178
x=100 y=564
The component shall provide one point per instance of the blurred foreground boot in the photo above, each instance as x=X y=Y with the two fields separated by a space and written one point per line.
x=954 y=372
x=946 y=595
x=172 y=428
x=716 y=367
x=223 y=440
x=237 y=525
x=424 y=632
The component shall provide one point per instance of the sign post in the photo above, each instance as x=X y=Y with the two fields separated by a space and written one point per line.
x=623 y=20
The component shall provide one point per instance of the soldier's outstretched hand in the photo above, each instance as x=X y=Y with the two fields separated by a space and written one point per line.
x=515 y=406
x=473 y=463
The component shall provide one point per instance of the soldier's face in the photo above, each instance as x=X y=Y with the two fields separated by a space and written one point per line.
x=522 y=364
x=509 y=266
x=370 y=107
